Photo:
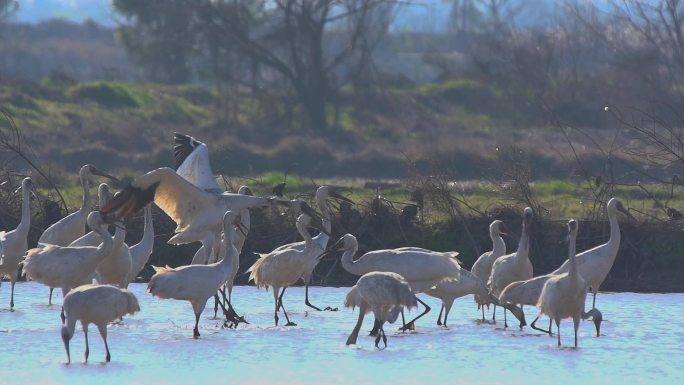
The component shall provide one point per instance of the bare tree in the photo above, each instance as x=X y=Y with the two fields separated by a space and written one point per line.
x=306 y=42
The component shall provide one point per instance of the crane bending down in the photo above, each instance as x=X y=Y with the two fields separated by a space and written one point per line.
x=513 y=267
x=320 y=241
x=383 y=293
x=196 y=283
x=448 y=291
x=280 y=269
x=422 y=269
x=564 y=295
x=97 y=304
x=482 y=268
x=528 y=293
x=13 y=244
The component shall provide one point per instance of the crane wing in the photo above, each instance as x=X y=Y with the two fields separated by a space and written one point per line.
x=191 y=160
x=178 y=198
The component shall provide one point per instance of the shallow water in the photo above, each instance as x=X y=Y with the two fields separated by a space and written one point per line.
x=642 y=342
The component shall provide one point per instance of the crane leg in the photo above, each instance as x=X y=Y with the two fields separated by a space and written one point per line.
x=12 y=294
x=195 y=331
x=505 y=320
x=411 y=325
x=558 y=328
x=483 y=317
x=593 y=305
x=446 y=315
x=376 y=326
x=277 y=305
x=232 y=318
x=306 y=298
x=534 y=323
x=103 y=334
x=494 y=315
x=439 y=317
x=381 y=335
x=50 y=298
x=280 y=300
x=87 y=350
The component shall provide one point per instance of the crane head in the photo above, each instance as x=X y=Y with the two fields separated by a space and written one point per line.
x=334 y=194
x=90 y=170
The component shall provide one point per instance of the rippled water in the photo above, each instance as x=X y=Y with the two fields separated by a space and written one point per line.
x=642 y=342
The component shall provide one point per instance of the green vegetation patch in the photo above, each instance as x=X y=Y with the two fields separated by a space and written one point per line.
x=107 y=94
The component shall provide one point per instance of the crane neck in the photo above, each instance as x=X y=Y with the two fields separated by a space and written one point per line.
x=350 y=265
x=524 y=245
x=148 y=231
x=322 y=238
x=86 y=203
x=228 y=244
x=105 y=248
x=25 y=221
x=304 y=232
x=119 y=236
x=614 y=240
x=498 y=244
x=246 y=220
x=572 y=244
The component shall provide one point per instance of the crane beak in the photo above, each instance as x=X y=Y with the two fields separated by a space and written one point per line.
x=241 y=227
x=332 y=249
x=318 y=223
x=96 y=171
x=503 y=230
x=336 y=195
x=315 y=215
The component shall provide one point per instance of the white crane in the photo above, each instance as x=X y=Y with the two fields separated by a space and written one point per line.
x=13 y=244
x=513 y=267
x=197 y=213
x=422 y=269
x=141 y=251
x=448 y=291
x=240 y=237
x=482 y=268
x=196 y=283
x=320 y=241
x=280 y=269
x=67 y=229
x=96 y=304
x=564 y=295
x=67 y=267
x=385 y=294
x=595 y=264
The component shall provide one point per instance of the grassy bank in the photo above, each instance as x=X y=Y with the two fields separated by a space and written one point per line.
x=128 y=126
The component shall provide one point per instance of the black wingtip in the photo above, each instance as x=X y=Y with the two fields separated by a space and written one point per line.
x=128 y=202
x=183 y=146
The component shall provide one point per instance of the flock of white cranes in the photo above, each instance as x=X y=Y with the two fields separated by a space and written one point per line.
x=93 y=270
